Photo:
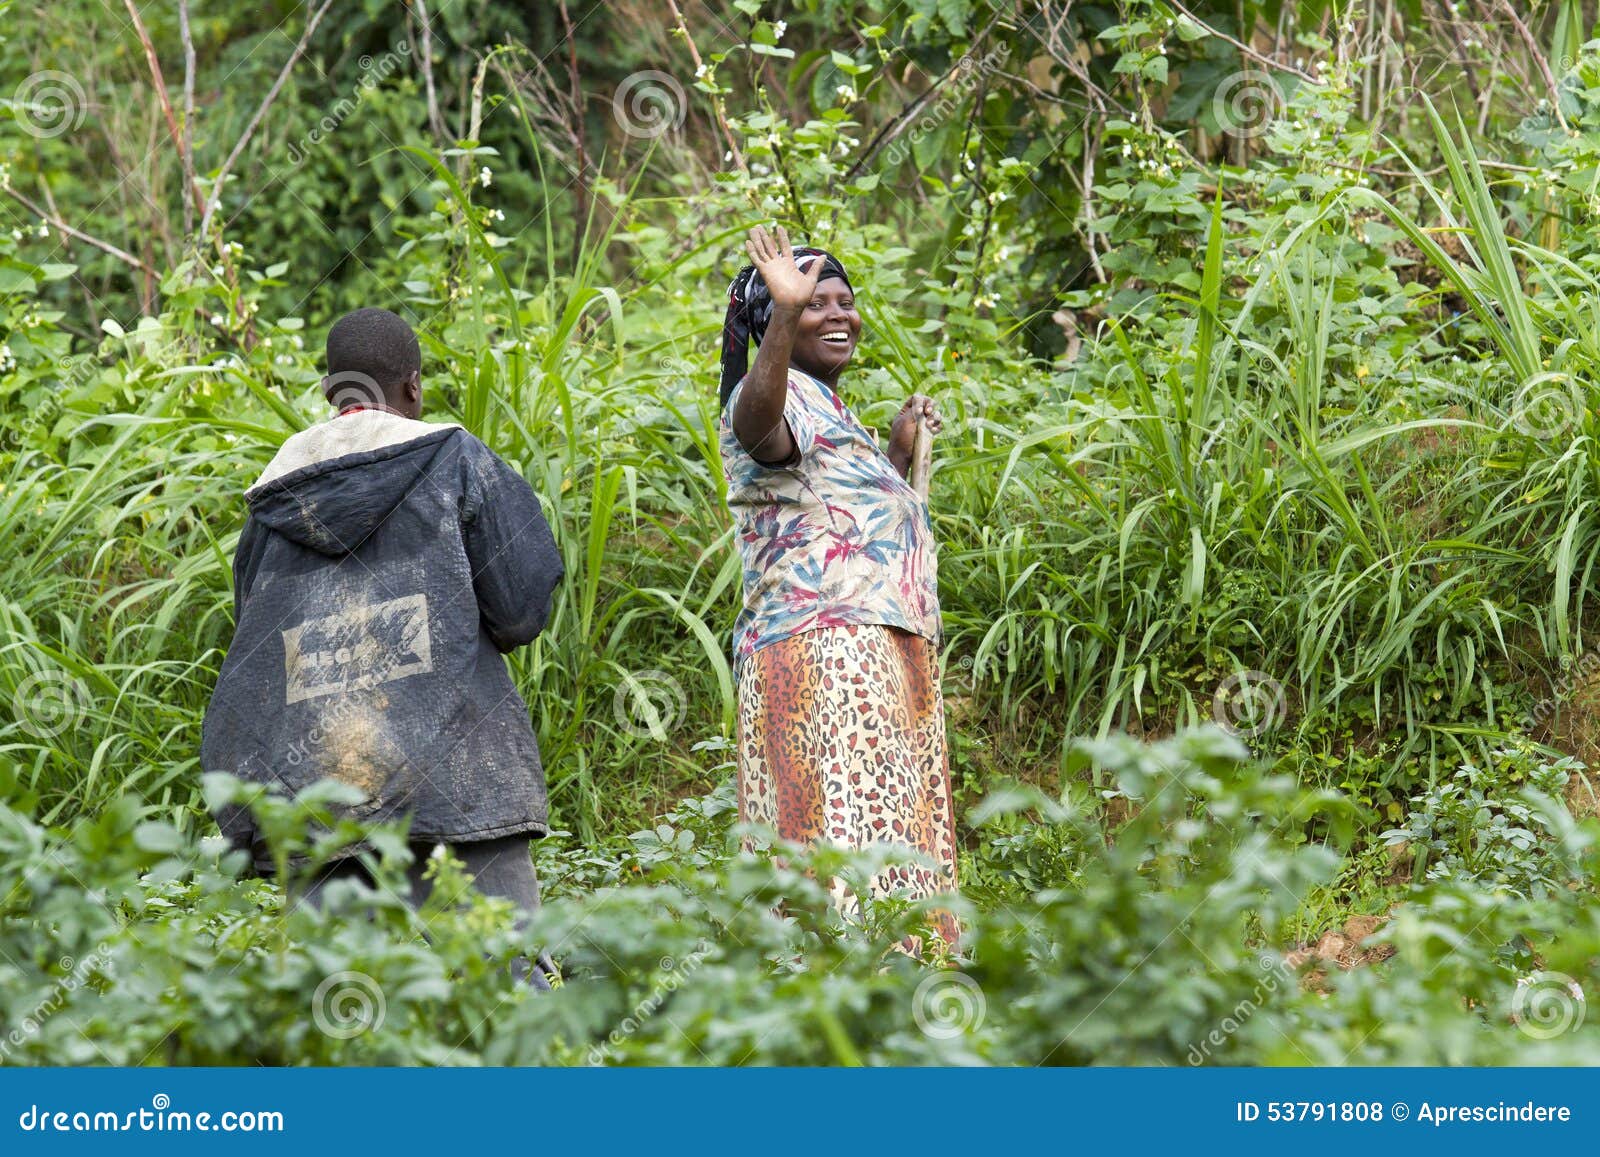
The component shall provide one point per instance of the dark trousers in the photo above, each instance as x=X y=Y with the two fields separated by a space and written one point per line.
x=500 y=868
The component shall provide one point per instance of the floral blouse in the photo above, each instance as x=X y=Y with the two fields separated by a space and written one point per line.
x=836 y=539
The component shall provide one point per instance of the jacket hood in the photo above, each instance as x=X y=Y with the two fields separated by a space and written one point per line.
x=330 y=487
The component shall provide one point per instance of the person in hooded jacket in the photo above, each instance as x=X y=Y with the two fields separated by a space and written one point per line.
x=385 y=567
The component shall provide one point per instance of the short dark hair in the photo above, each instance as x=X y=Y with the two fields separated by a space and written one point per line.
x=375 y=344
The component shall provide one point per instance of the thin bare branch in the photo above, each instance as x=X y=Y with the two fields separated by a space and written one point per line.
x=1091 y=146
x=215 y=199
x=1245 y=50
x=1538 y=59
x=88 y=298
x=435 y=121
x=577 y=126
x=186 y=147
x=551 y=108
x=898 y=124
x=57 y=223
x=160 y=81
x=722 y=122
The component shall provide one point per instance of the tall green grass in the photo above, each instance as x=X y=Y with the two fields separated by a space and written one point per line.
x=1407 y=561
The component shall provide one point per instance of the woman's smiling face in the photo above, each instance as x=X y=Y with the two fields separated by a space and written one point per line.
x=828 y=331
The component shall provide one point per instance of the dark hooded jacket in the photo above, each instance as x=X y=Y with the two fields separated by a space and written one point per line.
x=385 y=566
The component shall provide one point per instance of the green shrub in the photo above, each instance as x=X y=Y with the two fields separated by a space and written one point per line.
x=126 y=942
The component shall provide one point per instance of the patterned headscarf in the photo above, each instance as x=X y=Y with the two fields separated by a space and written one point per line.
x=750 y=310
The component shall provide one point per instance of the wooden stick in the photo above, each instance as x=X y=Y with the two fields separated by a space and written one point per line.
x=921 y=458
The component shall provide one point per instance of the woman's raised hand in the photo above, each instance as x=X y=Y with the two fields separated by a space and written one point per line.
x=774 y=260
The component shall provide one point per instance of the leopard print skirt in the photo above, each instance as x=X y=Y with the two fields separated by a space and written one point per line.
x=841 y=738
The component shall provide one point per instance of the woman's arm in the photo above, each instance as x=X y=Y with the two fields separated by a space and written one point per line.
x=758 y=414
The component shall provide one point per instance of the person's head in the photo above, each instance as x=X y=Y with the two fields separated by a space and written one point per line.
x=825 y=338
x=829 y=327
x=374 y=360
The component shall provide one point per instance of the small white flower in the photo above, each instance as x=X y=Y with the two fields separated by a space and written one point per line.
x=779 y=29
x=44 y=230
x=7 y=358
x=701 y=71
x=499 y=215
x=485 y=177
x=216 y=320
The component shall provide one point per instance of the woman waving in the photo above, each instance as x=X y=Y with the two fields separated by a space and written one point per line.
x=841 y=719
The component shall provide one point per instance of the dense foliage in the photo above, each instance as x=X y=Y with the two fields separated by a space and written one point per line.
x=1266 y=337
x=131 y=944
